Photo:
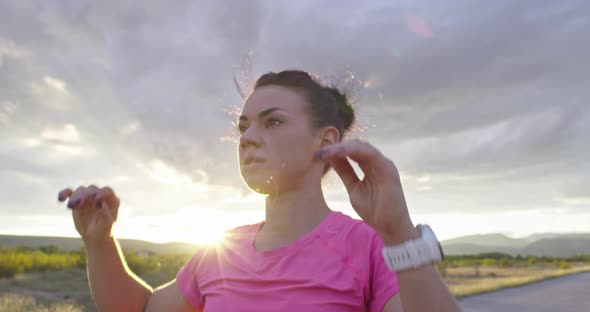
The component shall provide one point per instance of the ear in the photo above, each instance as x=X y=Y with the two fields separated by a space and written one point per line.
x=329 y=135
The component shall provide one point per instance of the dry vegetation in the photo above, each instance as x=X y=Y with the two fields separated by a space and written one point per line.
x=20 y=303
x=471 y=280
x=36 y=281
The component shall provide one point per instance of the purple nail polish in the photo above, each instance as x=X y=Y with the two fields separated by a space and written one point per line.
x=319 y=154
x=60 y=197
x=74 y=203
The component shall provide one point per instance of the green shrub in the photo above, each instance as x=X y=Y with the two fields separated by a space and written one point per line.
x=489 y=262
x=20 y=260
x=505 y=263
x=141 y=265
x=531 y=260
x=441 y=267
x=564 y=265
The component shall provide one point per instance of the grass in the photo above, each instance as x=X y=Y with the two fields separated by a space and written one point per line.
x=55 y=291
x=21 y=303
x=468 y=281
x=67 y=290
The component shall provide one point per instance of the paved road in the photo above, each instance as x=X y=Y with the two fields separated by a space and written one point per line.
x=564 y=294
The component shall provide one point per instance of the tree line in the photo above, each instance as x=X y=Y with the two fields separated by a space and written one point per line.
x=50 y=258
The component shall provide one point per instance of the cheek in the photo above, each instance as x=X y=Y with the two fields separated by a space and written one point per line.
x=294 y=152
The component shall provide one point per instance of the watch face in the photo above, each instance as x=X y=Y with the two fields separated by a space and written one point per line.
x=427 y=234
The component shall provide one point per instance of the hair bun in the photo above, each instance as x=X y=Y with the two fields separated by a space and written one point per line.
x=345 y=110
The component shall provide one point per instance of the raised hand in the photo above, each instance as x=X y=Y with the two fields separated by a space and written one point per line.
x=94 y=211
x=378 y=198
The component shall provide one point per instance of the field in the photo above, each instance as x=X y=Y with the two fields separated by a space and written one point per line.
x=466 y=281
x=48 y=280
x=473 y=274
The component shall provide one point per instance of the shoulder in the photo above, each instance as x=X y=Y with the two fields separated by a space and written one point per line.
x=240 y=233
x=354 y=237
x=351 y=228
x=207 y=256
x=357 y=238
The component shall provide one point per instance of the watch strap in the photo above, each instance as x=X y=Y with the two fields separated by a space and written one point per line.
x=412 y=254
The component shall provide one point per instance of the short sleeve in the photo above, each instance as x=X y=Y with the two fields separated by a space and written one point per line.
x=186 y=280
x=384 y=284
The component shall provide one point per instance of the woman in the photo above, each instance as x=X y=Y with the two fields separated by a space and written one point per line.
x=303 y=256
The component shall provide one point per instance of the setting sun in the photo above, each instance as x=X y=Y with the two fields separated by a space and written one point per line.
x=194 y=225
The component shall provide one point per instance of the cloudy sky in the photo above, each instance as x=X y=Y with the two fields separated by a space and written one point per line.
x=481 y=104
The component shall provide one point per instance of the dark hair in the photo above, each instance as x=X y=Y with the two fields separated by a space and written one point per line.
x=328 y=106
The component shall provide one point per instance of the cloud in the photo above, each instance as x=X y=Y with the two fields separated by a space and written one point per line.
x=55 y=83
x=131 y=128
x=68 y=133
x=164 y=174
x=8 y=49
x=474 y=100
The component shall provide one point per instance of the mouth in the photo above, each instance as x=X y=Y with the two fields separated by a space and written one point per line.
x=253 y=160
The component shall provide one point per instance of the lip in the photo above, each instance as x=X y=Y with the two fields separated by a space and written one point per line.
x=252 y=165
x=252 y=161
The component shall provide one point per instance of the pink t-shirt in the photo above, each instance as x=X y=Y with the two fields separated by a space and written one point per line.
x=337 y=266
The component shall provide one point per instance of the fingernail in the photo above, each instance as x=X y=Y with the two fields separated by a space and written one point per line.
x=319 y=154
x=73 y=204
x=60 y=197
x=93 y=194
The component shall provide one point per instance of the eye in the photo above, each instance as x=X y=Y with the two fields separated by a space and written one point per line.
x=272 y=122
x=242 y=129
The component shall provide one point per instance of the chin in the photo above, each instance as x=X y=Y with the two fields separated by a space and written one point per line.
x=262 y=184
x=261 y=188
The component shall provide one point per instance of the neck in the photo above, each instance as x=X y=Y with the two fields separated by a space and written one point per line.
x=296 y=211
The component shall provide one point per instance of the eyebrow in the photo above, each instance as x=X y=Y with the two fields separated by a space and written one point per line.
x=263 y=113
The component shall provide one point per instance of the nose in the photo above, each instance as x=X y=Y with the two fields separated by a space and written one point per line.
x=249 y=137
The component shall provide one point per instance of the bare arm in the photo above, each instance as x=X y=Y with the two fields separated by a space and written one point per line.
x=115 y=288
x=112 y=285
x=169 y=298
x=379 y=200
x=422 y=289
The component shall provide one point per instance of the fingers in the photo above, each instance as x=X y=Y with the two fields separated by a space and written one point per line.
x=64 y=194
x=90 y=196
x=76 y=197
x=106 y=198
x=86 y=197
x=345 y=171
x=108 y=203
x=367 y=156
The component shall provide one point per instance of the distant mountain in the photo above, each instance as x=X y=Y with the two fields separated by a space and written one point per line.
x=557 y=247
x=535 y=237
x=473 y=249
x=489 y=240
x=71 y=243
x=543 y=244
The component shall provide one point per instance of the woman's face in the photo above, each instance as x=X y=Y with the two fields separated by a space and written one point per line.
x=277 y=142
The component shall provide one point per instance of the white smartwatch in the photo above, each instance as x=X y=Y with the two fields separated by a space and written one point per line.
x=415 y=253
